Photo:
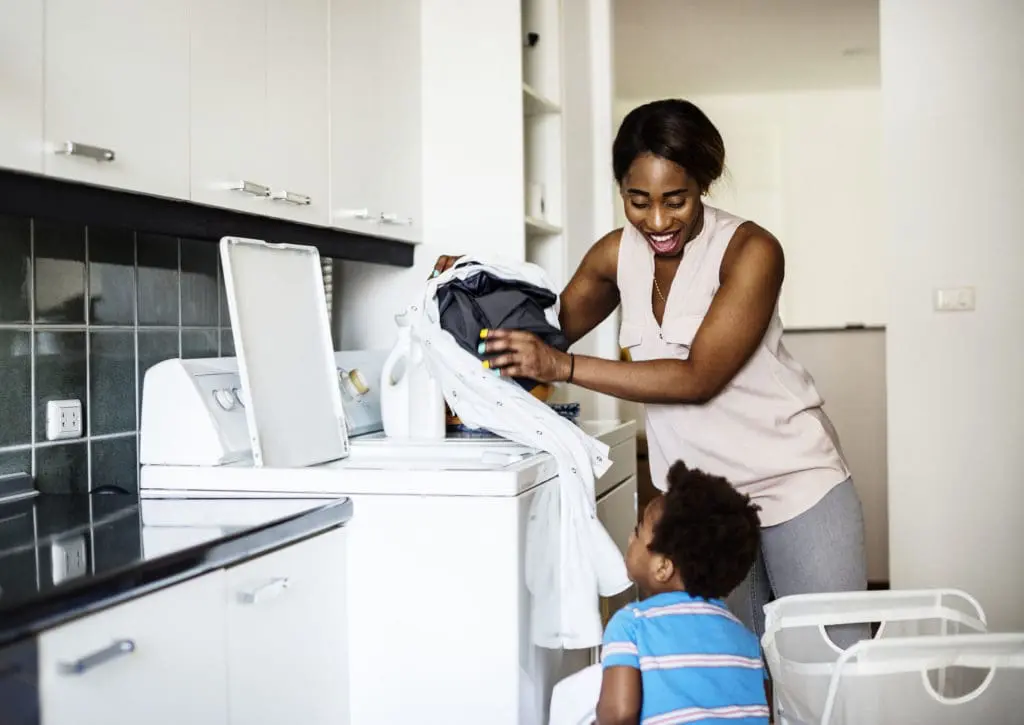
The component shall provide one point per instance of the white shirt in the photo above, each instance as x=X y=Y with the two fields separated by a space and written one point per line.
x=570 y=558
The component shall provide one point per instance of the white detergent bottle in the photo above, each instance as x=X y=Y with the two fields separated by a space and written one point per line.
x=411 y=399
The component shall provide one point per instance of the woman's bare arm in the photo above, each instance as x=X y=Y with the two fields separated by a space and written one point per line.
x=751 y=277
x=592 y=294
x=752 y=274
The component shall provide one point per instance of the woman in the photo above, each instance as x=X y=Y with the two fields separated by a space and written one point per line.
x=699 y=291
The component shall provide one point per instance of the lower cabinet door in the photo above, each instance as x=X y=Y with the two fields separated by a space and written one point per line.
x=617 y=511
x=287 y=635
x=158 y=660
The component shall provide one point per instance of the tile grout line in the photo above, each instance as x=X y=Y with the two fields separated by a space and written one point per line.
x=63 y=327
x=220 y=285
x=135 y=341
x=92 y=538
x=178 y=241
x=35 y=537
x=22 y=447
x=88 y=369
x=32 y=344
x=135 y=327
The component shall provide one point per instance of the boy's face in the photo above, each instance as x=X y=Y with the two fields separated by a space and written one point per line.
x=650 y=571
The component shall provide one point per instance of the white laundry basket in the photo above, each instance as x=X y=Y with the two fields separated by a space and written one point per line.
x=802 y=658
x=970 y=679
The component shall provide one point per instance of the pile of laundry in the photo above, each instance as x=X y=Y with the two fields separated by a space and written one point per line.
x=571 y=559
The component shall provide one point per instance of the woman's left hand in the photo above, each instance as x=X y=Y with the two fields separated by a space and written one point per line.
x=518 y=354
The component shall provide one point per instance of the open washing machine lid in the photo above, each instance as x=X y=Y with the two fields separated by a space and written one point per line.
x=285 y=354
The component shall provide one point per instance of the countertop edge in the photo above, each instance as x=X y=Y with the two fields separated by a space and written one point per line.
x=74 y=601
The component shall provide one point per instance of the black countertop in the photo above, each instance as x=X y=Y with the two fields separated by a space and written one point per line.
x=121 y=548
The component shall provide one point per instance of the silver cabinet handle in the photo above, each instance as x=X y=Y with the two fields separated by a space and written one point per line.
x=251 y=187
x=395 y=219
x=96 y=153
x=120 y=648
x=291 y=197
x=265 y=591
x=354 y=213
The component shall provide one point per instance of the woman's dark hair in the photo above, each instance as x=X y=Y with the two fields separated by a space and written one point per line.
x=675 y=130
x=709 y=530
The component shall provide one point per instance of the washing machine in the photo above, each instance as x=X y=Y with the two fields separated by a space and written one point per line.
x=439 y=614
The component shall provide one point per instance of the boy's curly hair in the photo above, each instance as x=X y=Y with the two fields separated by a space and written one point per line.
x=709 y=530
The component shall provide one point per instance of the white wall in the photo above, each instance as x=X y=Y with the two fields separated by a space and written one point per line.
x=472 y=167
x=587 y=114
x=805 y=165
x=953 y=97
x=849 y=371
x=473 y=184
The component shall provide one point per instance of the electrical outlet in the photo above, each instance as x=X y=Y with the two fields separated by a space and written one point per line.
x=63 y=419
x=68 y=557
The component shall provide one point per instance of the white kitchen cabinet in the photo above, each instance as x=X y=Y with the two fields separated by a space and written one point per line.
x=298 y=99
x=259 y=113
x=287 y=626
x=228 y=80
x=376 y=118
x=21 y=84
x=117 y=88
x=617 y=512
x=158 y=660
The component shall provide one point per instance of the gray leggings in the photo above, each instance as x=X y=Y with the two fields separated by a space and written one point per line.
x=821 y=550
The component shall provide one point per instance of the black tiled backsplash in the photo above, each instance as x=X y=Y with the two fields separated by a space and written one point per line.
x=84 y=312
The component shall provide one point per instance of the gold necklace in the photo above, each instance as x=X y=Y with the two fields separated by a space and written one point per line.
x=694 y=233
x=657 y=288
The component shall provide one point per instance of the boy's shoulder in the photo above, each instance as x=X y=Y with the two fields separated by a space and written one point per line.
x=679 y=603
x=677 y=614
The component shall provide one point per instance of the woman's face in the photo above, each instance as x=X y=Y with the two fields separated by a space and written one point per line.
x=663 y=202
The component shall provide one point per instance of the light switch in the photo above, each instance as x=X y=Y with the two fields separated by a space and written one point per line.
x=954 y=299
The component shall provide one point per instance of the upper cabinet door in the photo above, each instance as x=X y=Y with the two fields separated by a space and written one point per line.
x=116 y=90
x=398 y=106
x=375 y=117
x=21 y=84
x=228 y=104
x=298 y=98
x=356 y=127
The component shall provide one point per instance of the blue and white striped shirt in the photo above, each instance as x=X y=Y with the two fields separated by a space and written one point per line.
x=697 y=662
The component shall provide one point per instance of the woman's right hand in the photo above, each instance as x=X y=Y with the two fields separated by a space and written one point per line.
x=444 y=263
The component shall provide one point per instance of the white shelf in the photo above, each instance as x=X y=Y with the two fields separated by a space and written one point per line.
x=543 y=142
x=540 y=228
x=535 y=104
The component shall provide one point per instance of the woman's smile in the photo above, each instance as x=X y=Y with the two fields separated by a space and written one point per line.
x=665 y=243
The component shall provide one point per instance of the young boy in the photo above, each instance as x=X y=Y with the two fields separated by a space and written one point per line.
x=679 y=656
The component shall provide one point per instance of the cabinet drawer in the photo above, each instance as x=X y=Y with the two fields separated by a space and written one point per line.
x=617 y=513
x=287 y=626
x=623 y=456
x=155 y=660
